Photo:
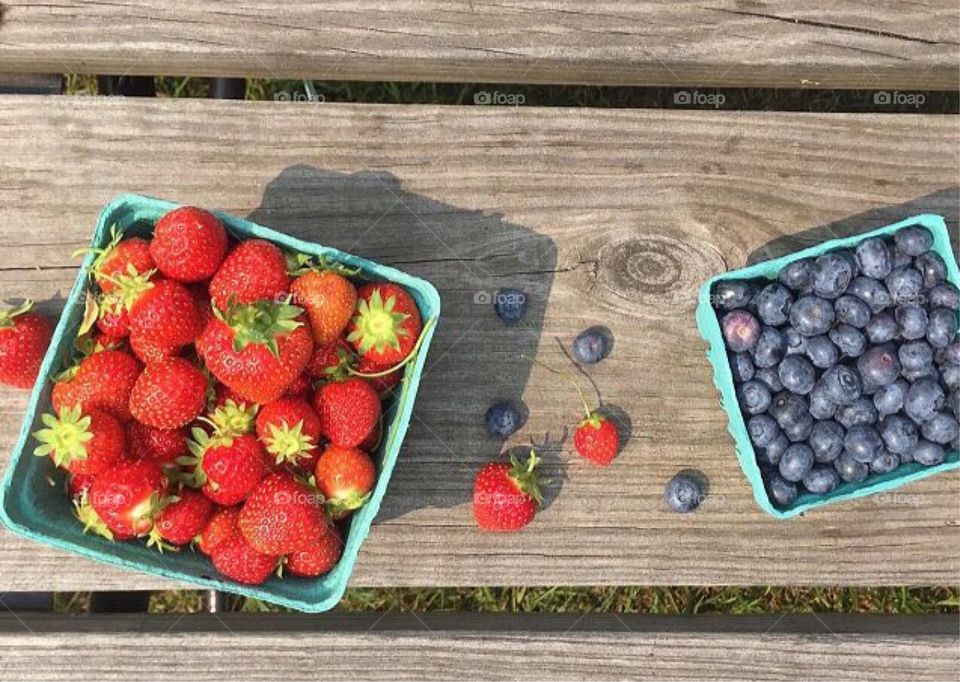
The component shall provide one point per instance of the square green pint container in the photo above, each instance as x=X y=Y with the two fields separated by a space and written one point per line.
x=30 y=506
x=709 y=327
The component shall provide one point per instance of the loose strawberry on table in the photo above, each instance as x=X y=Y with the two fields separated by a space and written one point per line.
x=255 y=270
x=168 y=394
x=349 y=411
x=24 y=337
x=188 y=244
x=506 y=497
x=81 y=444
x=345 y=476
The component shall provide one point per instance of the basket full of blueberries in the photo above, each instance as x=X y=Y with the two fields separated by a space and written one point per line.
x=839 y=366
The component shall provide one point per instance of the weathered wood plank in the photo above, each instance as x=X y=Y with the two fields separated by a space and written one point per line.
x=445 y=647
x=601 y=216
x=852 y=43
x=30 y=83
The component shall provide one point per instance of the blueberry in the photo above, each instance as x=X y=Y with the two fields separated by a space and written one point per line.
x=770 y=347
x=945 y=295
x=763 y=430
x=504 y=419
x=821 y=480
x=832 y=273
x=591 y=346
x=951 y=353
x=950 y=375
x=899 y=259
x=915 y=355
x=860 y=412
x=796 y=342
x=783 y=493
x=851 y=258
x=928 y=454
x=788 y=409
x=873 y=257
x=826 y=440
x=769 y=376
x=873 y=292
x=841 y=384
x=822 y=352
x=923 y=399
x=732 y=294
x=797 y=374
x=941 y=327
x=904 y=285
x=913 y=240
x=932 y=267
x=741 y=365
x=940 y=428
x=852 y=310
x=773 y=452
x=862 y=442
x=740 y=330
x=812 y=315
x=772 y=303
x=884 y=463
x=912 y=320
x=881 y=328
x=849 y=340
x=899 y=434
x=821 y=407
x=754 y=396
x=510 y=305
x=799 y=430
x=850 y=469
x=797 y=275
x=796 y=462
x=683 y=493
x=889 y=398
x=879 y=366
x=930 y=372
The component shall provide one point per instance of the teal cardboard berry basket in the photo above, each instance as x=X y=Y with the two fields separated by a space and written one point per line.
x=31 y=506
x=709 y=326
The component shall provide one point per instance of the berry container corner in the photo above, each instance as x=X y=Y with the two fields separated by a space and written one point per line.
x=32 y=507
x=709 y=327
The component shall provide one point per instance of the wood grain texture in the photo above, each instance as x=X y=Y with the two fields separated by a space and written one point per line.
x=820 y=43
x=602 y=216
x=427 y=647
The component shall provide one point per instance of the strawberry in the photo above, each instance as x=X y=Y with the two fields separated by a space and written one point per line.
x=128 y=495
x=78 y=485
x=113 y=319
x=349 y=410
x=188 y=244
x=168 y=394
x=233 y=419
x=222 y=393
x=221 y=526
x=281 y=515
x=255 y=270
x=372 y=442
x=319 y=557
x=120 y=257
x=257 y=350
x=92 y=523
x=225 y=467
x=596 y=439
x=237 y=560
x=387 y=325
x=289 y=430
x=506 y=496
x=81 y=444
x=163 y=315
x=24 y=337
x=301 y=388
x=329 y=299
x=103 y=380
x=181 y=519
x=331 y=361
x=345 y=476
x=161 y=445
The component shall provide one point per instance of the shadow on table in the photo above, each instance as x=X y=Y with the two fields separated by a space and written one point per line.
x=475 y=358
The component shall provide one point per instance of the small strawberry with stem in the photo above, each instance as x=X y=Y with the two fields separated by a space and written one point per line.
x=506 y=497
x=81 y=443
x=188 y=244
x=181 y=519
x=120 y=256
x=345 y=476
x=24 y=338
x=329 y=298
x=387 y=324
x=255 y=270
x=225 y=467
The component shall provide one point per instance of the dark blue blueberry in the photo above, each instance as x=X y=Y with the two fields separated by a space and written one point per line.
x=821 y=351
x=951 y=353
x=849 y=340
x=741 y=365
x=850 y=469
x=796 y=462
x=740 y=330
x=769 y=376
x=924 y=398
x=783 y=493
x=950 y=375
x=773 y=303
x=683 y=493
x=770 y=348
x=754 y=396
x=879 y=366
x=772 y=453
x=797 y=275
x=841 y=384
x=852 y=310
x=912 y=320
x=929 y=454
x=930 y=372
x=503 y=419
x=899 y=434
x=832 y=273
x=915 y=355
x=862 y=442
x=591 y=346
x=953 y=402
x=941 y=428
x=873 y=257
x=763 y=430
x=821 y=480
x=821 y=407
x=904 y=285
x=851 y=257
x=812 y=315
x=945 y=295
x=733 y=294
x=885 y=462
x=510 y=305
x=873 y=292
x=913 y=240
x=941 y=327
x=788 y=409
x=899 y=259
x=796 y=342
x=932 y=267
x=797 y=374
x=860 y=412
x=826 y=440
x=799 y=430
x=881 y=328
x=889 y=398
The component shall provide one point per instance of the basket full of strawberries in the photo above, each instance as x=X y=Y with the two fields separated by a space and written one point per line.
x=220 y=404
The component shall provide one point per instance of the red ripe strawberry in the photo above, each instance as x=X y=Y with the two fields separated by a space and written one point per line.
x=181 y=519
x=329 y=299
x=188 y=244
x=331 y=361
x=104 y=381
x=129 y=256
x=289 y=430
x=78 y=485
x=113 y=319
x=301 y=388
x=226 y=468
x=221 y=526
x=92 y=523
x=319 y=557
x=349 y=410
x=506 y=496
x=81 y=444
x=372 y=442
x=161 y=445
x=345 y=476
x=163 y=316
x=24 y=337
x=387 y=324
x=257 y=350
x=168 y=394
x=256 y=270
x=128 y=496
x=596 y=439
x=382 y=383
x=237 y=560
x=281 y=515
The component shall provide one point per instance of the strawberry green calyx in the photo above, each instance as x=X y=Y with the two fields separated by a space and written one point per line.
x=87 y=515
x=347 y=502
x=65 y=438
x=525 y=477
x=198 y=444
x=594 y=419
x=153 y=537
x=289 y=444
x=102 y=255
x=410 y=356
x=131 y=285
x=377 y=325
x=302 y=263
x=231 y=419
x=260 y=323
x=7 y=316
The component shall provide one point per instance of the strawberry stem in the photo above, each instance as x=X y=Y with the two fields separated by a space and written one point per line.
x=568 y=378
x=7 y=316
